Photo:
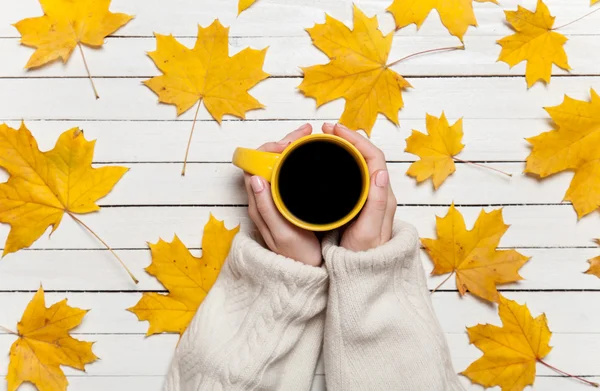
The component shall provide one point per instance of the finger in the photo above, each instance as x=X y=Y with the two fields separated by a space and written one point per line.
x=265 y=205
x=370 y=221
x=253 y=212
x=388 y=221
x=279 y=146
x=373 y=155
x=302 y=131
x=327 y=128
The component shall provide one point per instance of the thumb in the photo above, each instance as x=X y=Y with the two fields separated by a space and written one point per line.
x=265 y=204
x=373 y=215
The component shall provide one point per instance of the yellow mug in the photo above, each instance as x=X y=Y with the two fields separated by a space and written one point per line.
x=332 y=167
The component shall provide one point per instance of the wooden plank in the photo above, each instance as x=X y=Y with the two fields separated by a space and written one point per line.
x=122 y=354
x=68 y=270
x=180 y=17
x=155 y=383
x=286 y=55
x=127 y=383
x=567 y=312
x=549 y=382
x=132 y=227
x=548 y=269
x=222 y=184
x=84 y=382
x=573 y=353
x=165 y=141
x=319 y=383
x=127 y=99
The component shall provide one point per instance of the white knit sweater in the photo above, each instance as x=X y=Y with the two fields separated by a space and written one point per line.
x=261 y=326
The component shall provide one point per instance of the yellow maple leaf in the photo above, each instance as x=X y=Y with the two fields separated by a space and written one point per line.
x=436 y=150
x=44 y=345
x=456 y=15
x=534 y=42
x=358 y=71
x=207 y=74
x=187 y=278
x=472 y=255
x=510 y=352
x=572 y=146
x=244 y=5
x=66 y=24
x=595 y=1
x=594 y=264
x=43 y=186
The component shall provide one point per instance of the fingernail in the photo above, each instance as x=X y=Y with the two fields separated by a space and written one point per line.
x=284 y=141
x=257 y=184
x=328 y=125
x=341 y=126
x=382 y=178
x=304 y=127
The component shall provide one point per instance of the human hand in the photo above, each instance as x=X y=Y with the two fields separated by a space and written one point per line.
x=373 y=227
x=281 y=236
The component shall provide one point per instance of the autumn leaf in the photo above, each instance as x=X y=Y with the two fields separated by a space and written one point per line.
x=456 y=15
x=43 y=186
x=594 y=264
x=358 y=71
x=187 y=278
x=436 y=150
x=244 y=5
x=595 y=1
x=510 y=352
x=573 y=145
x=207 y=74
x=536 y=42
x=65 y=25
x=44 y=345
x=472 y=255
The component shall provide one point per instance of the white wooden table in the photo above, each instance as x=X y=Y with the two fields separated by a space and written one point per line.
x=153 y=201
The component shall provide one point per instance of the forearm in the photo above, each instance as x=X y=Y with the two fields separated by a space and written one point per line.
x=381 y=331
x=260 y=327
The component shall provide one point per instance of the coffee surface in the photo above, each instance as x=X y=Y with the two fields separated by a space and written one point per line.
x=320 y=182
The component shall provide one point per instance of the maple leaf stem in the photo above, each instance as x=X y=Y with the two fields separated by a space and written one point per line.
x=105 y=245
x=576 y=20
x=442 y=283
x=594 y=384
x=187 y=150
x=88 y=70
x=482 y=166
x=8 y=330
x=461 y=47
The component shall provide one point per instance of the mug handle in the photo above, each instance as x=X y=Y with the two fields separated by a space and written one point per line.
x=256 y=162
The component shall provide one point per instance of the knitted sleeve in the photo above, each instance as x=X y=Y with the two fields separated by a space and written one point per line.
x=259 y=328
x=381 y=332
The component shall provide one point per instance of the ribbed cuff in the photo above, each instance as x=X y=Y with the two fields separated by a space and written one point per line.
x=402 y=246
x=262 y=266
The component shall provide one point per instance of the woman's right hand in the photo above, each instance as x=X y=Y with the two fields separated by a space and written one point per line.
x=281 y=236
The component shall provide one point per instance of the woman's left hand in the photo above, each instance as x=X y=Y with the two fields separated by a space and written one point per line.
x=281 y=236
x=374 y=225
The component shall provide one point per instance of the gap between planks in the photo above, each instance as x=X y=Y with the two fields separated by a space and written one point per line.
x=550 y=290
x=200 y=248
x=494 y=205
x=456 y=76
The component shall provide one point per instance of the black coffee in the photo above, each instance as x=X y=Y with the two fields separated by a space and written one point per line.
x=320 y=182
